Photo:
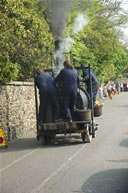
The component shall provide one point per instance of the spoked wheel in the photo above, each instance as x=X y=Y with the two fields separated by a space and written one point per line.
x=38 y=133
x=90 y=129
x=86 y=137
x=93 y=131
x=38 y=137
x=83 y=136
x=47 y=139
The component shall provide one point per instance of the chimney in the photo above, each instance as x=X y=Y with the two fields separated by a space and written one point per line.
x=59 y=49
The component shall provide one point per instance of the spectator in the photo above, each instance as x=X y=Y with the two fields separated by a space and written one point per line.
x=101 y=94
x=121 y=87
x=125 y=86
x=118 y=87
x=109 y=89
x=105 y=90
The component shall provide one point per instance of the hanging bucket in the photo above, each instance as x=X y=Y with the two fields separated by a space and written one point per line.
x=83 y=115
x=98 y=110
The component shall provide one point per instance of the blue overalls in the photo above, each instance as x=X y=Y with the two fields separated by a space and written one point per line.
x=69 y=82
x=94 y=83
x=47 y=92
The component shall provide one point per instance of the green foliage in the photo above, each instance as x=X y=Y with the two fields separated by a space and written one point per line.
x=8 y=70
x=98 y=42
x=25 y=38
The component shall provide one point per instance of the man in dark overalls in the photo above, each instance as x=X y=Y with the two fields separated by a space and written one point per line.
x=69 y=82
x=94 y=83
x=47 y=92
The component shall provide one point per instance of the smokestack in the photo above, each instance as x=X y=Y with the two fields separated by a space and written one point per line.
x=59 y=48
x=58 y=11
x=58 y=45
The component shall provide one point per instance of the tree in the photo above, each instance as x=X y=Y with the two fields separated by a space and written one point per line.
x=25 y=39
x=98 y=43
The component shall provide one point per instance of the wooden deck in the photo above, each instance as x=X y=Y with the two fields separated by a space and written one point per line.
x=64 y=125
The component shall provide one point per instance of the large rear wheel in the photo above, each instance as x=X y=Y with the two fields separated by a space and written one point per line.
x=86 y=137
x=47 y=139
x=83 y=136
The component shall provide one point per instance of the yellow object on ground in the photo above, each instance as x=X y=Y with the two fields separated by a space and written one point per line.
x=97 y=102
x=113 y=93
x=110 y=96
x=118 y=91
x=2 y=141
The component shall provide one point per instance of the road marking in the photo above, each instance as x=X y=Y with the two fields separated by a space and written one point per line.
x=38 y=188
x=18 y=160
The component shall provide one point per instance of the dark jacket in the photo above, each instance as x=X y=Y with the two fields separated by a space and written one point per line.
x=69 y=78
x=45 y=83
x=86 y=77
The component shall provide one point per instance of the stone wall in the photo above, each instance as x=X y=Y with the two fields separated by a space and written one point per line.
x=17 y=109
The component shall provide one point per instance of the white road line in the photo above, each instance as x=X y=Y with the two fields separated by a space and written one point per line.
x=38 y=188
x=18 y=160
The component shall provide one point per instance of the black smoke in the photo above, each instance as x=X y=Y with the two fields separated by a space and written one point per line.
x=57 y=12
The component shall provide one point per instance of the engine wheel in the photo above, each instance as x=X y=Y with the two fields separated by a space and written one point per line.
x=38 y=137
x=83 y=136
x=86 y=137
x=45 y=139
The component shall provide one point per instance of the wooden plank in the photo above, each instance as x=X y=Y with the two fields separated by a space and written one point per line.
x=63 y=122
x=61 y=126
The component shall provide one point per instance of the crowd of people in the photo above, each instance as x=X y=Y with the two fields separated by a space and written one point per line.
x=112 y=88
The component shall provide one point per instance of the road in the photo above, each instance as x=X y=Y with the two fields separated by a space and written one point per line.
x=70 y=166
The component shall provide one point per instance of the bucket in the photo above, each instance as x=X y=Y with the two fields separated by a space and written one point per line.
x=82 y=115
x=98 y=110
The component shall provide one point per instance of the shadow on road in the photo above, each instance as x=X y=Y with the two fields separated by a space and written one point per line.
x=22 y=144
x=110 y=181
x=32 y=143
x=123 y=106
x=119 y=161
x=124 y=143
x=66 y=140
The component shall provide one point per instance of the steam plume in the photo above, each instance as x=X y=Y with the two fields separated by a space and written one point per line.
x=58 y=11
x=79 y=23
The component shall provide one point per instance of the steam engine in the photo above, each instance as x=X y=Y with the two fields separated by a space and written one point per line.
x=83 y=117
x=82 y=104
x=82 y=96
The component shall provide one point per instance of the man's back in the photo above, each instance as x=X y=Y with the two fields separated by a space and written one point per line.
x=44 y=81
x=86 y=77
x=68 y=78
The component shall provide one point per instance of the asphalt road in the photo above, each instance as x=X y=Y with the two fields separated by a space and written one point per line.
x=70 y=166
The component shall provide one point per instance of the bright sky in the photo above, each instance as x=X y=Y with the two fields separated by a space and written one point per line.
x=125 y=29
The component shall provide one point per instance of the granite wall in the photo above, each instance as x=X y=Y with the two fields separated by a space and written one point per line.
x=17 y=109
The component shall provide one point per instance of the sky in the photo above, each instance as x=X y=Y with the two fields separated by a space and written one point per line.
x=125 y=28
